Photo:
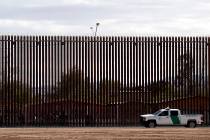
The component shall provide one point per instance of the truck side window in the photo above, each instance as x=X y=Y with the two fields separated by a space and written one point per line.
x=174 y=113
x=164 y=113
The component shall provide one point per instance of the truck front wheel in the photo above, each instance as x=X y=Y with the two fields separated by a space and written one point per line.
x=191 y=124
x=151 y=124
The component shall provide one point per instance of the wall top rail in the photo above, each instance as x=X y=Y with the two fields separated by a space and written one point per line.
x=131 y=41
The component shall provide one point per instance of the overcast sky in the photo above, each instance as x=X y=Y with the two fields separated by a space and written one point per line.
x=117 y=17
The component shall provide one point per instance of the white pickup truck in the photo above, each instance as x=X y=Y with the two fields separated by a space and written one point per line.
x=169 y=116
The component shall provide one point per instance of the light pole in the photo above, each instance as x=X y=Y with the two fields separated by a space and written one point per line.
x=91 y=28
x=97 y=24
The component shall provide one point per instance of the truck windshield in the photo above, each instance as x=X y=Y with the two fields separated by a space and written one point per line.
x=157 y=112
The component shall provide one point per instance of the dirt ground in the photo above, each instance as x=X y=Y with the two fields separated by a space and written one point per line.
x=131 y=133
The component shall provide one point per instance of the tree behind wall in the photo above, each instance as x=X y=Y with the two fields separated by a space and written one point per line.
x=73 y=86
x=186 y=71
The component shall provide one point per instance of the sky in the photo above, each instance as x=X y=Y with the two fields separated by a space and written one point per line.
x=116 y=17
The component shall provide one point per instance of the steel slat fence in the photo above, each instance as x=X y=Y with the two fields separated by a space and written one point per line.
x=100 y=81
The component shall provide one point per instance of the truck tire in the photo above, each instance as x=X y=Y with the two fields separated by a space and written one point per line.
x=151 y=124
x=191 y=124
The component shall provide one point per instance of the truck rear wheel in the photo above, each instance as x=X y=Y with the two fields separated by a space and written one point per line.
x=191 y=124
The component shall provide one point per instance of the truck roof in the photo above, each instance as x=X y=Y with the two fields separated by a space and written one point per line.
x=170 y=109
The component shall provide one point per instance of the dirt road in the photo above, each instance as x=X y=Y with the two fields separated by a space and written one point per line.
x=179 y=133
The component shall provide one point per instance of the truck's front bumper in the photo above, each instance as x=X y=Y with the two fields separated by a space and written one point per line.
x=142 y=121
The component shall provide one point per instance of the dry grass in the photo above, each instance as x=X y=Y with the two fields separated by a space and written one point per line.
x=159 y=133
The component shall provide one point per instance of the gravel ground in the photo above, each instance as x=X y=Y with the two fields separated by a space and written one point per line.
x=115 y=133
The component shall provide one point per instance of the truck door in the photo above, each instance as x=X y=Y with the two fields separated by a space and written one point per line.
x=174 y=117
x=163 y=118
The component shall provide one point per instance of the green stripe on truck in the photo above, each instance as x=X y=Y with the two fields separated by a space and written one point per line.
x=175 y=120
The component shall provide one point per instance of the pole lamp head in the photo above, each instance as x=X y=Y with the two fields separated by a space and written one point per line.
x=97 y=24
